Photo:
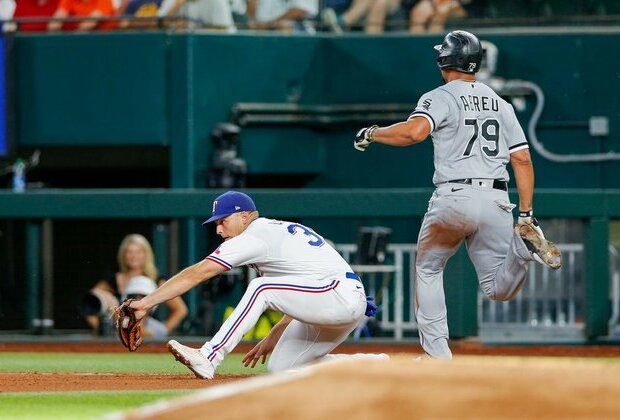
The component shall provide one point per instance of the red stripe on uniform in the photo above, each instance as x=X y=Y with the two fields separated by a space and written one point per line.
x=218 y=262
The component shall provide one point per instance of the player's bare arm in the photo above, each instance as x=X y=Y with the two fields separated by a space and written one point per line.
x=179 y=284
x=401 y=134
x=524 y=176
x=267 y=344
x=177 y=313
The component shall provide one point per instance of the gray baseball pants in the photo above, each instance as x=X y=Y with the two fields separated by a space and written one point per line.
x=482 y=217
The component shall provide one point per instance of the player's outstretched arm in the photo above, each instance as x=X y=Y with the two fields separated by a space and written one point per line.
x=400 y=134
x=179 y=284
x=523 y=169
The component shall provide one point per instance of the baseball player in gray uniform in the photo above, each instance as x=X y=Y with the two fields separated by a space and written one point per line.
x=300 y=274
x=475 y=134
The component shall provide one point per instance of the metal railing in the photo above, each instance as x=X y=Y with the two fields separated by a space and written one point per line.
x=551 y=304
x=614 y=292
x=397 y=22
x=549 y=307
x=389 y=283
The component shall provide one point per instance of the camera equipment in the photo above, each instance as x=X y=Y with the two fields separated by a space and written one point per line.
x=372 y=245
x=227 y=170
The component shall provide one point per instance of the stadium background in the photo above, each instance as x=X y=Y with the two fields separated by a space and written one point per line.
x=135 y=110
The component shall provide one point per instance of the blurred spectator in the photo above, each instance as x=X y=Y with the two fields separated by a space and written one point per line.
x=373 y=12
x=211 y=14
x=282 y=15
x=144 y=9
x=83 y=8
x=7 y=8
x=135 y=258
x=35 y=9
x=432 y=15
x=137 y=288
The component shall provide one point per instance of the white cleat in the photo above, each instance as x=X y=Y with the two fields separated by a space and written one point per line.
x=193 y=359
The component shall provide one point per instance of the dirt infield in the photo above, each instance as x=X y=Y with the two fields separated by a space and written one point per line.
x=472 y=387
x=458 y=347
x=21 y=382
x=45 y=382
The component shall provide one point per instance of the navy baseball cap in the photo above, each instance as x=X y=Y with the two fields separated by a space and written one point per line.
x=228 y=203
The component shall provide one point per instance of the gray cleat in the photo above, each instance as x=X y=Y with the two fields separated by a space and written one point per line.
x=542 y=250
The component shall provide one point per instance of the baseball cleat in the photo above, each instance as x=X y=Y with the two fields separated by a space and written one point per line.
x=193 y=359
x=542 y=250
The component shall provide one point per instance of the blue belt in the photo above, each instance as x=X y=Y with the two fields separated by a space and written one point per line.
x=353 y=276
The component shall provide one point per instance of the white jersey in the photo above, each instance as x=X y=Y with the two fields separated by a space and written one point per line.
x=473 y=130
x=268 y=10
x=277 y=248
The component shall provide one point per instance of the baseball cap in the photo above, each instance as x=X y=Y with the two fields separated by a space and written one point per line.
x=228 y=203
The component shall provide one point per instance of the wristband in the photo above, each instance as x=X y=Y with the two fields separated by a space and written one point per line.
x=528 y=213
x=371 y=130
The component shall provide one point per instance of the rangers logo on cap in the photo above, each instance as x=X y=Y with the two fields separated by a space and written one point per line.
x=230 y=202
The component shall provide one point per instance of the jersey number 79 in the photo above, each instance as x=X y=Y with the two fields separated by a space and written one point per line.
x=490 y=134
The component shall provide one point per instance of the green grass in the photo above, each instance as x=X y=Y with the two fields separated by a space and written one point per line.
x=75 y=405
x=89 y=404
x=112 y=363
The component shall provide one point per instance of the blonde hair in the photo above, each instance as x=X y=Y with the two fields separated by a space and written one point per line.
x=149 y=269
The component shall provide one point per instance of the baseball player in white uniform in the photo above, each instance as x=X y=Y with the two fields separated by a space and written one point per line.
x=300 y=275
x=475 y=134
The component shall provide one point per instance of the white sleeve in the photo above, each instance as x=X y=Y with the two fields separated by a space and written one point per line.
x=434 y=107
x=515 y=138
x=7 y=8
x=240 y=250
x=218 y=13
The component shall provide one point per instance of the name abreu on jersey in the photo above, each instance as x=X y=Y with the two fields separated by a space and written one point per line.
x=479 y=103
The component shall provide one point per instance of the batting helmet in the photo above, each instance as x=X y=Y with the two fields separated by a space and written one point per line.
x=460 y=50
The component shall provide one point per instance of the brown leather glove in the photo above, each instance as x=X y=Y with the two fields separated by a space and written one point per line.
x=128 y=327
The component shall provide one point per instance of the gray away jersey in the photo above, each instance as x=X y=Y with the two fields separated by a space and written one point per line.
x=473 y=130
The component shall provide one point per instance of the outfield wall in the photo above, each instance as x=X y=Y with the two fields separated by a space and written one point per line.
x=168 y=90
x=40 y=210
x=149 y=100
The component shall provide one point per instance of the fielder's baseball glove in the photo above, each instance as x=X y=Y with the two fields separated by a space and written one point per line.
x=128 y=327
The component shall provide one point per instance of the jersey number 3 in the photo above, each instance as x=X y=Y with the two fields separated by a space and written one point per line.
x=316 y=239
x=490 y=133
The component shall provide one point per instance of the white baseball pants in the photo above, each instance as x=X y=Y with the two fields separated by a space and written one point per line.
x=324 y=311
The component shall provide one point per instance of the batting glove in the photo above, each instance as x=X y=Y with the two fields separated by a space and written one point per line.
x=371 y=307
x=363 y=138
x=527 y=218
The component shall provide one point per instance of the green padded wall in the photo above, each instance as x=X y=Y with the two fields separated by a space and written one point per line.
x=156 y=88
x=91 y=89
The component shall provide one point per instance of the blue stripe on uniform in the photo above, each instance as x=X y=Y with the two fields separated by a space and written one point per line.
x=353 y=276
x=219 y=260
x=294 y=287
